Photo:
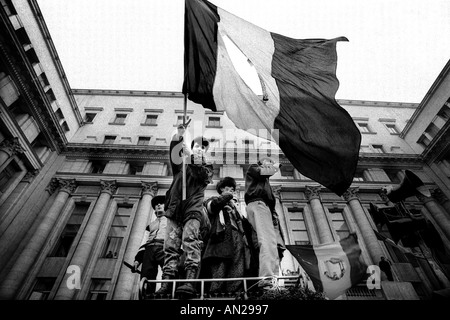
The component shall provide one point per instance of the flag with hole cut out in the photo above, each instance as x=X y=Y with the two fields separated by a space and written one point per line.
x=298 y=85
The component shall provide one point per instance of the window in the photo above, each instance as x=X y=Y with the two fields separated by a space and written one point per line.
x=150 y=119
x=248 y=144
x=339 y=223
x=120 y=118
x=393 y=175
x=265 y=145
x=287 y=172
x=117 y=232
x=97 y=166
x=377 y=148
x=180 y=120
x=444 y=113
x=392 y=128
x=365 y=149
x=358 y=176
x=298 y=226
x=214 y=121
x=109 y=139
x=424 y=141
x=42 y=77
x=65 y=126
x=160 y=142
x=214 y=143
x=363 y=127
x=59 y=114
x=136 y=169
x=70 y=230
x=432 y=130
x=7 y=176
x=99 y=289
x=143 y=141
x=89 y=118
x=42 y=288
x=230 y=144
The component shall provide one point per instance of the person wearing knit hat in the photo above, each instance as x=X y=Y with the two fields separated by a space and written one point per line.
x=227 y=250
x=151 y=250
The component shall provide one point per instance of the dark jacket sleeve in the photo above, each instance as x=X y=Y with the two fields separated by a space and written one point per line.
x=218 y=203
x=257 y=171
x=175 y=155
x=140 y=255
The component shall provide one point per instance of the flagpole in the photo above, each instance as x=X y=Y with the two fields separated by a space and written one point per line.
x=184 y=156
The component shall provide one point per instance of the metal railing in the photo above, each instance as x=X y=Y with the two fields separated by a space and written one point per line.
x=249 y=283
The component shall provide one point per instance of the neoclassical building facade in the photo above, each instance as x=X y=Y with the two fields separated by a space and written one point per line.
x=79 y=167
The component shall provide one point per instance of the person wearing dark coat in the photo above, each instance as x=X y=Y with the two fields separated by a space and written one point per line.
x=385 y=266
x=187 y=221
x=263 y=217
x=227 y=253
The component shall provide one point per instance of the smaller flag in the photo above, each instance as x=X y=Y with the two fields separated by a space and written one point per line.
x=333 y=267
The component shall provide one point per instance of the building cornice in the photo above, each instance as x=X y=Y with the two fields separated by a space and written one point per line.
x=390 y=159
x=115 y=151
x=176 y=94
x=439 y=146
x=426 y=99
x=55 y=57
x=33 y=95
x=380 y=104
x=139 y=93
x=164 y=182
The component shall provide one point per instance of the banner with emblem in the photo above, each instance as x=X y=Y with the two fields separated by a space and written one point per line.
x=333 y=267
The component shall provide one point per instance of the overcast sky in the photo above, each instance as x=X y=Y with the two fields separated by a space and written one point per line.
x=396 y=48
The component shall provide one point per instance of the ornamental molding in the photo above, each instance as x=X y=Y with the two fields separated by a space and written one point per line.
x=312 y=192
x=52 y=186
x=30 y=175
x=11 y=146
x=276 y=190
x=351 y=194
x=439 y=195
x=108 y=186
x=150 y=188
x=33 y=94
x=68 y=186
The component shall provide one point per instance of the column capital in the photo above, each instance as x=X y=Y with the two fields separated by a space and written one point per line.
x=383 y=194
x=11 y=146
x=276 y=190
x=30 y=175
x=423 y=198
x=312 y=192
x=108 y=186
x=52 y=186
x=439 y=195
x=150 y=188
x=351 y=194
x=67 y=185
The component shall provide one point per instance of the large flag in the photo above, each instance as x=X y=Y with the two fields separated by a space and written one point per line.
x=298 y=82
x=333 y=267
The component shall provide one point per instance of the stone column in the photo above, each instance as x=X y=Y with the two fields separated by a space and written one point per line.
x=323 y=227
x=21 y=267
x=438 y=214
x=8 y=148
x=126 y=279
x=288 y=260
x=81 y=255
x=442 y=200
x=369 y=236
x=6 y=212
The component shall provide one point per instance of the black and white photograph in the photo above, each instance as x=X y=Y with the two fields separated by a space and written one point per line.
x=226 y=157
